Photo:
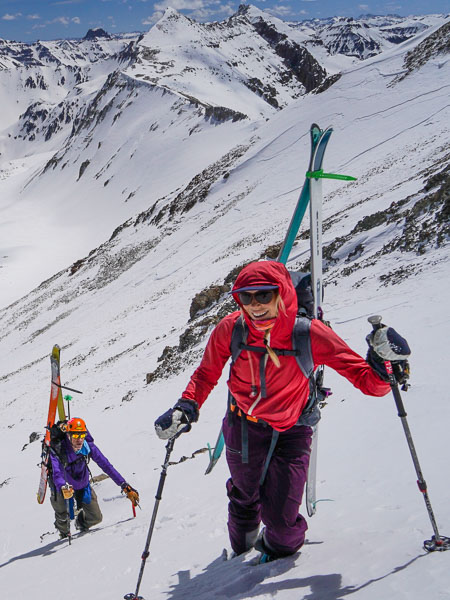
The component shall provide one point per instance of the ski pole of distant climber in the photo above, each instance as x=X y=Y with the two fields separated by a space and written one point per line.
x=69 y=533
x=146 y=553
x=437 y=542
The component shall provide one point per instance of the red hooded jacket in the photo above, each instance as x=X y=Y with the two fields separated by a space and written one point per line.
x=287 y=389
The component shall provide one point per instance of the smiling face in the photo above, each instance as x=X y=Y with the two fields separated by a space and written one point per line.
x=258 y=311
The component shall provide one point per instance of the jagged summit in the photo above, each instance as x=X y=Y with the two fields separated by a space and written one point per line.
x=250 y=10
x=94 y=34
x=171 y=15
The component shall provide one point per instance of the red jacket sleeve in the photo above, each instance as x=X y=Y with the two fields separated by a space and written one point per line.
x=216 y=354
x=329 y=349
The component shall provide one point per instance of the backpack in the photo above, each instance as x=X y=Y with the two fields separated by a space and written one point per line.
x=301 y=344
x=57 y=436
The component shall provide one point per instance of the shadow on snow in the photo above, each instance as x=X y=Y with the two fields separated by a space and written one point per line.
x=237 y=579
x=52 y=547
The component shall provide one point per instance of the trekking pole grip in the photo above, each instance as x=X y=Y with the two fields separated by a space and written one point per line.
x=375 y=321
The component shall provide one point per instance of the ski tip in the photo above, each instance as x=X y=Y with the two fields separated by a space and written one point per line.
x=56 y=352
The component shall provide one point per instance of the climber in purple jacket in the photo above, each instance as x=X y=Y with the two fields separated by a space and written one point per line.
x=70 y=477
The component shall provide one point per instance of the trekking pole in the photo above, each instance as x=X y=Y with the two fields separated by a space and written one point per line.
x=69 y=533
x=68 y=511
x=146 y=553
x=437 y=542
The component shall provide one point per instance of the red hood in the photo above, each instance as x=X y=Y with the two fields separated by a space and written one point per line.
x=271 y=273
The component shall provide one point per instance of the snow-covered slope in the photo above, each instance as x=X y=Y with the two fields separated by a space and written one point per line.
x=79 y=116
x=126 y=310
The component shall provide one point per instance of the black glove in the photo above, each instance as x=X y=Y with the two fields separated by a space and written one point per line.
x=177 y=419
x=385 y=344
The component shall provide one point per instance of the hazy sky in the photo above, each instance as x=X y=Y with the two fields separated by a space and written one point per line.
x=27 y=20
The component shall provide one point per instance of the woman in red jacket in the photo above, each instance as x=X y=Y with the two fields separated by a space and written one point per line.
x=268 y=396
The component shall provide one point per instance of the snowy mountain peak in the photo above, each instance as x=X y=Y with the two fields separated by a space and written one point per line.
x=171 y=18
x=94 y=34
x=251 y=12
x=211 y=62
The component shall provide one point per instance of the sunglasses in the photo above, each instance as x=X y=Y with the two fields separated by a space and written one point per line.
x=78 y=436
x=262 y=297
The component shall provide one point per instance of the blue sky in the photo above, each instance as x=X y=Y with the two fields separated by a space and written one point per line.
x=28 y=20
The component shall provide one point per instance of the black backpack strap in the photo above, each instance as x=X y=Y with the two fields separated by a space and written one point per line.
x=273 y=443
x=244 y=439
x=238 y=338
x=301 y=342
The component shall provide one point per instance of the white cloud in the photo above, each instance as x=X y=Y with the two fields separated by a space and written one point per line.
x=152 y=19
x=9 y=17
x=180 y=5
x=363 y=6
x=33 y=17
x=61 y=20
x=281 y=11
x=63 y=2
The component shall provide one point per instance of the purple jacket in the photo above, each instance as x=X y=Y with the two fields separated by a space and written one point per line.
x=76 y=472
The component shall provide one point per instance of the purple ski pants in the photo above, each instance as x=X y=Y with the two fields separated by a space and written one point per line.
x=276 y=503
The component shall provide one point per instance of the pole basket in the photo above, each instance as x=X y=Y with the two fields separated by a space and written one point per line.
x=433 y=545
x=132 y=596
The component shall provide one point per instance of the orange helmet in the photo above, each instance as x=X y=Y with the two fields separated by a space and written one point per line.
x=76 y=425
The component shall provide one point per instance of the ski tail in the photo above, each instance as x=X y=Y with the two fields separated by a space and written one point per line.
x=216 y=453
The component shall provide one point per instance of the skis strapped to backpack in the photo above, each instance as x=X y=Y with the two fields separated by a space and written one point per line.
x=56 y=402
x=309 y=295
